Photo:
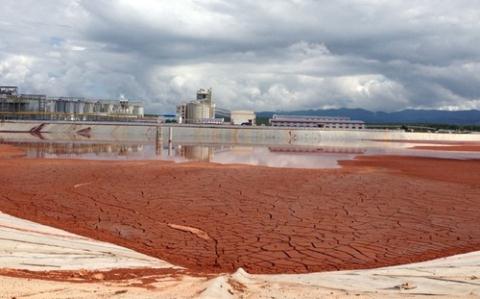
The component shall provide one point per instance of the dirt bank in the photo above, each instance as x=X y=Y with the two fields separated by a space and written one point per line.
x=458 y=148
x=376 y=211
x=436 y=142
x=439 y=145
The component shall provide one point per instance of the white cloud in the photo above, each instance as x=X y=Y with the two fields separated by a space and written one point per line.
x=262 y=55
x=15 y=69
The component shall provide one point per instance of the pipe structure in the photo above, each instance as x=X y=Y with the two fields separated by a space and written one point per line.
x=170 y=141
x=159 y=140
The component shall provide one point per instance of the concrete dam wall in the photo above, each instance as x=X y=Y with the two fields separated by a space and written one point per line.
x=146 y=132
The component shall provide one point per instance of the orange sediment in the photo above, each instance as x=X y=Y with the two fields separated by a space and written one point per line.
x=465 y=146
x=458 y=148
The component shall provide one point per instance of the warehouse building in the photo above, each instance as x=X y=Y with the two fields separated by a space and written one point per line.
x=242 y=117
x=326 y=122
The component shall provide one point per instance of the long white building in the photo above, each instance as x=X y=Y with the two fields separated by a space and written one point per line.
x=327 y=122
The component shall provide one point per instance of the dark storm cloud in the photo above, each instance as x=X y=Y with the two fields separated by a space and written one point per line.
x=291 y=54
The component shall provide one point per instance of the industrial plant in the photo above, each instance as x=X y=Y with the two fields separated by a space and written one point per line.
x=198 y=111
x=201 y=110
x=36 y=106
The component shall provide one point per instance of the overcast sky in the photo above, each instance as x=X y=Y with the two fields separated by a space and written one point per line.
x=260 y=55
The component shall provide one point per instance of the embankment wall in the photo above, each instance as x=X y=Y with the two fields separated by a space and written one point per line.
x=144 y=132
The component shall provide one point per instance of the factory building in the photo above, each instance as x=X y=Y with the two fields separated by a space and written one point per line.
x=199 y=111
x=242 y=117
x=14 y=105
x=326 y=122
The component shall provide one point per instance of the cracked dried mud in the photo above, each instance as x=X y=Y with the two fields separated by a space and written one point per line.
x=374 y=211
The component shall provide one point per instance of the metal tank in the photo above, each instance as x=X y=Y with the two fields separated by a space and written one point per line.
x=197 y=111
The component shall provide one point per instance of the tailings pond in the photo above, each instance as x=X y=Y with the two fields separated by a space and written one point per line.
x=325 y=155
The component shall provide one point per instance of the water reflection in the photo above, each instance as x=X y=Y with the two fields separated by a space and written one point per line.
x=325 y=156
x=287 y=156
x=273 y=156
x=78 y=150
x=195 y=152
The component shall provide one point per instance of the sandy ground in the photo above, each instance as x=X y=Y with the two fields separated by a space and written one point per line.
x=448 y=278
x=92 y=275
x=30 y=246
x=374 y=212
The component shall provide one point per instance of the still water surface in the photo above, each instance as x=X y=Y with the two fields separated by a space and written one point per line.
x=290 y=156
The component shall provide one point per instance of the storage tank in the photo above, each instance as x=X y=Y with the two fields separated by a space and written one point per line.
x=141 y=111
x=197 y=111
x=79 y=107
x=60 y=106
x=136 y=111
x=88 y=108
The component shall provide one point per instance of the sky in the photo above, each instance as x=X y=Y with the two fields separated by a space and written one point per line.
x=260 y=55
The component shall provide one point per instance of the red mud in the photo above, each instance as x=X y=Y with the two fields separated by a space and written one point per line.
x=439 y=142
x=145 y=276
x=466 y=146
x=457 y=148
x=376 y=211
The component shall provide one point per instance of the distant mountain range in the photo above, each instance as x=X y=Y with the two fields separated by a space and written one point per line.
x=467 y=117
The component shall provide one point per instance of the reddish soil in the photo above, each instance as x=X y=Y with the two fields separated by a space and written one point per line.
x=376 y=211
x=457 y=148
x=440 y=145
x=81 y=276
x=461 y=172
x=439 y=142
